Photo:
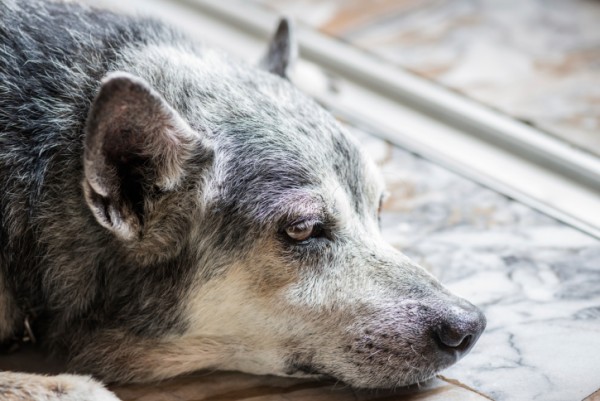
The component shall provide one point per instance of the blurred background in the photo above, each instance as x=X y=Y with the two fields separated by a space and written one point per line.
x=536 y=60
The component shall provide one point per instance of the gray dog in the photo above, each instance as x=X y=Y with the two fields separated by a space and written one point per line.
x=165 y=209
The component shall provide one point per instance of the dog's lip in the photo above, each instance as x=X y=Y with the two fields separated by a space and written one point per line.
x=328 y=378
x=304 y=368
x=312 y=371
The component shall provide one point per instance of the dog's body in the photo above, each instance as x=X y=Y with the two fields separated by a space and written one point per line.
x=167 y=209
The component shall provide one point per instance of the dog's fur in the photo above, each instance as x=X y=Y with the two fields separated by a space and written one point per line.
x=151 y=188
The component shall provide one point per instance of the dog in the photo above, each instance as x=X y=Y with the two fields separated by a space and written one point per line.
x=166 y=208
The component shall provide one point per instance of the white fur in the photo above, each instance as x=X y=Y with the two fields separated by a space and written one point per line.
x=26 y=387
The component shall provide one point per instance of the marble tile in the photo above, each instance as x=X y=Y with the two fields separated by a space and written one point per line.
x=536 y=60
x=537 y=280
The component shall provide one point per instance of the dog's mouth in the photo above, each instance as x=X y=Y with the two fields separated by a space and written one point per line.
x=309 y=371
x=302 y=365
x=366 y=380
x=373 y=373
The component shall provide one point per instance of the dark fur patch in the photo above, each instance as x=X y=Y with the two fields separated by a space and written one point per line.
x=48 y=77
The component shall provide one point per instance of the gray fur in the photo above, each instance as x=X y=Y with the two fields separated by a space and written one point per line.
x=145 y=176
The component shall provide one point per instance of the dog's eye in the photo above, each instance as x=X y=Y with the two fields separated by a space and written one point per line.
x=304 y=230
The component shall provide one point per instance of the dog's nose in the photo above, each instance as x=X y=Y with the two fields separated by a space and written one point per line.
x=460 y=329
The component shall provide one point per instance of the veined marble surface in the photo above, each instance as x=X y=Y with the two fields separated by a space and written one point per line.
x=536 y=60
x=537 y=280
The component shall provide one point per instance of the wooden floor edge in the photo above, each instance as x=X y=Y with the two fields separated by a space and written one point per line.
x=595 y=396
x=462 y=385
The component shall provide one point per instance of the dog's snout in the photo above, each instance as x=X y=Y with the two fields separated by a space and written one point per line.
x=460 y=329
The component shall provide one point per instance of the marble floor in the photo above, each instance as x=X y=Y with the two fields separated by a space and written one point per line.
x=536 y=60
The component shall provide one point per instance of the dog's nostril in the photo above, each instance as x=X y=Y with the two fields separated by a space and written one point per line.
x=460 y=331
x=453 y=337
x=465 y=343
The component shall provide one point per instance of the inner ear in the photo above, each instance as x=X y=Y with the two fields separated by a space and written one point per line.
x=282 y=51
x=135 y=143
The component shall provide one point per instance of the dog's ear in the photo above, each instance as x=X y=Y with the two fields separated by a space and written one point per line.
x=282 y=51
x=135 y=145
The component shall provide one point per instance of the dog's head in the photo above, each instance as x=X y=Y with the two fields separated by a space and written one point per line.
x=273 y=209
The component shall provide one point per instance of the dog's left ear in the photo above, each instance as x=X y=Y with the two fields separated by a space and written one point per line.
x=283 y=50
x=135 y=146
